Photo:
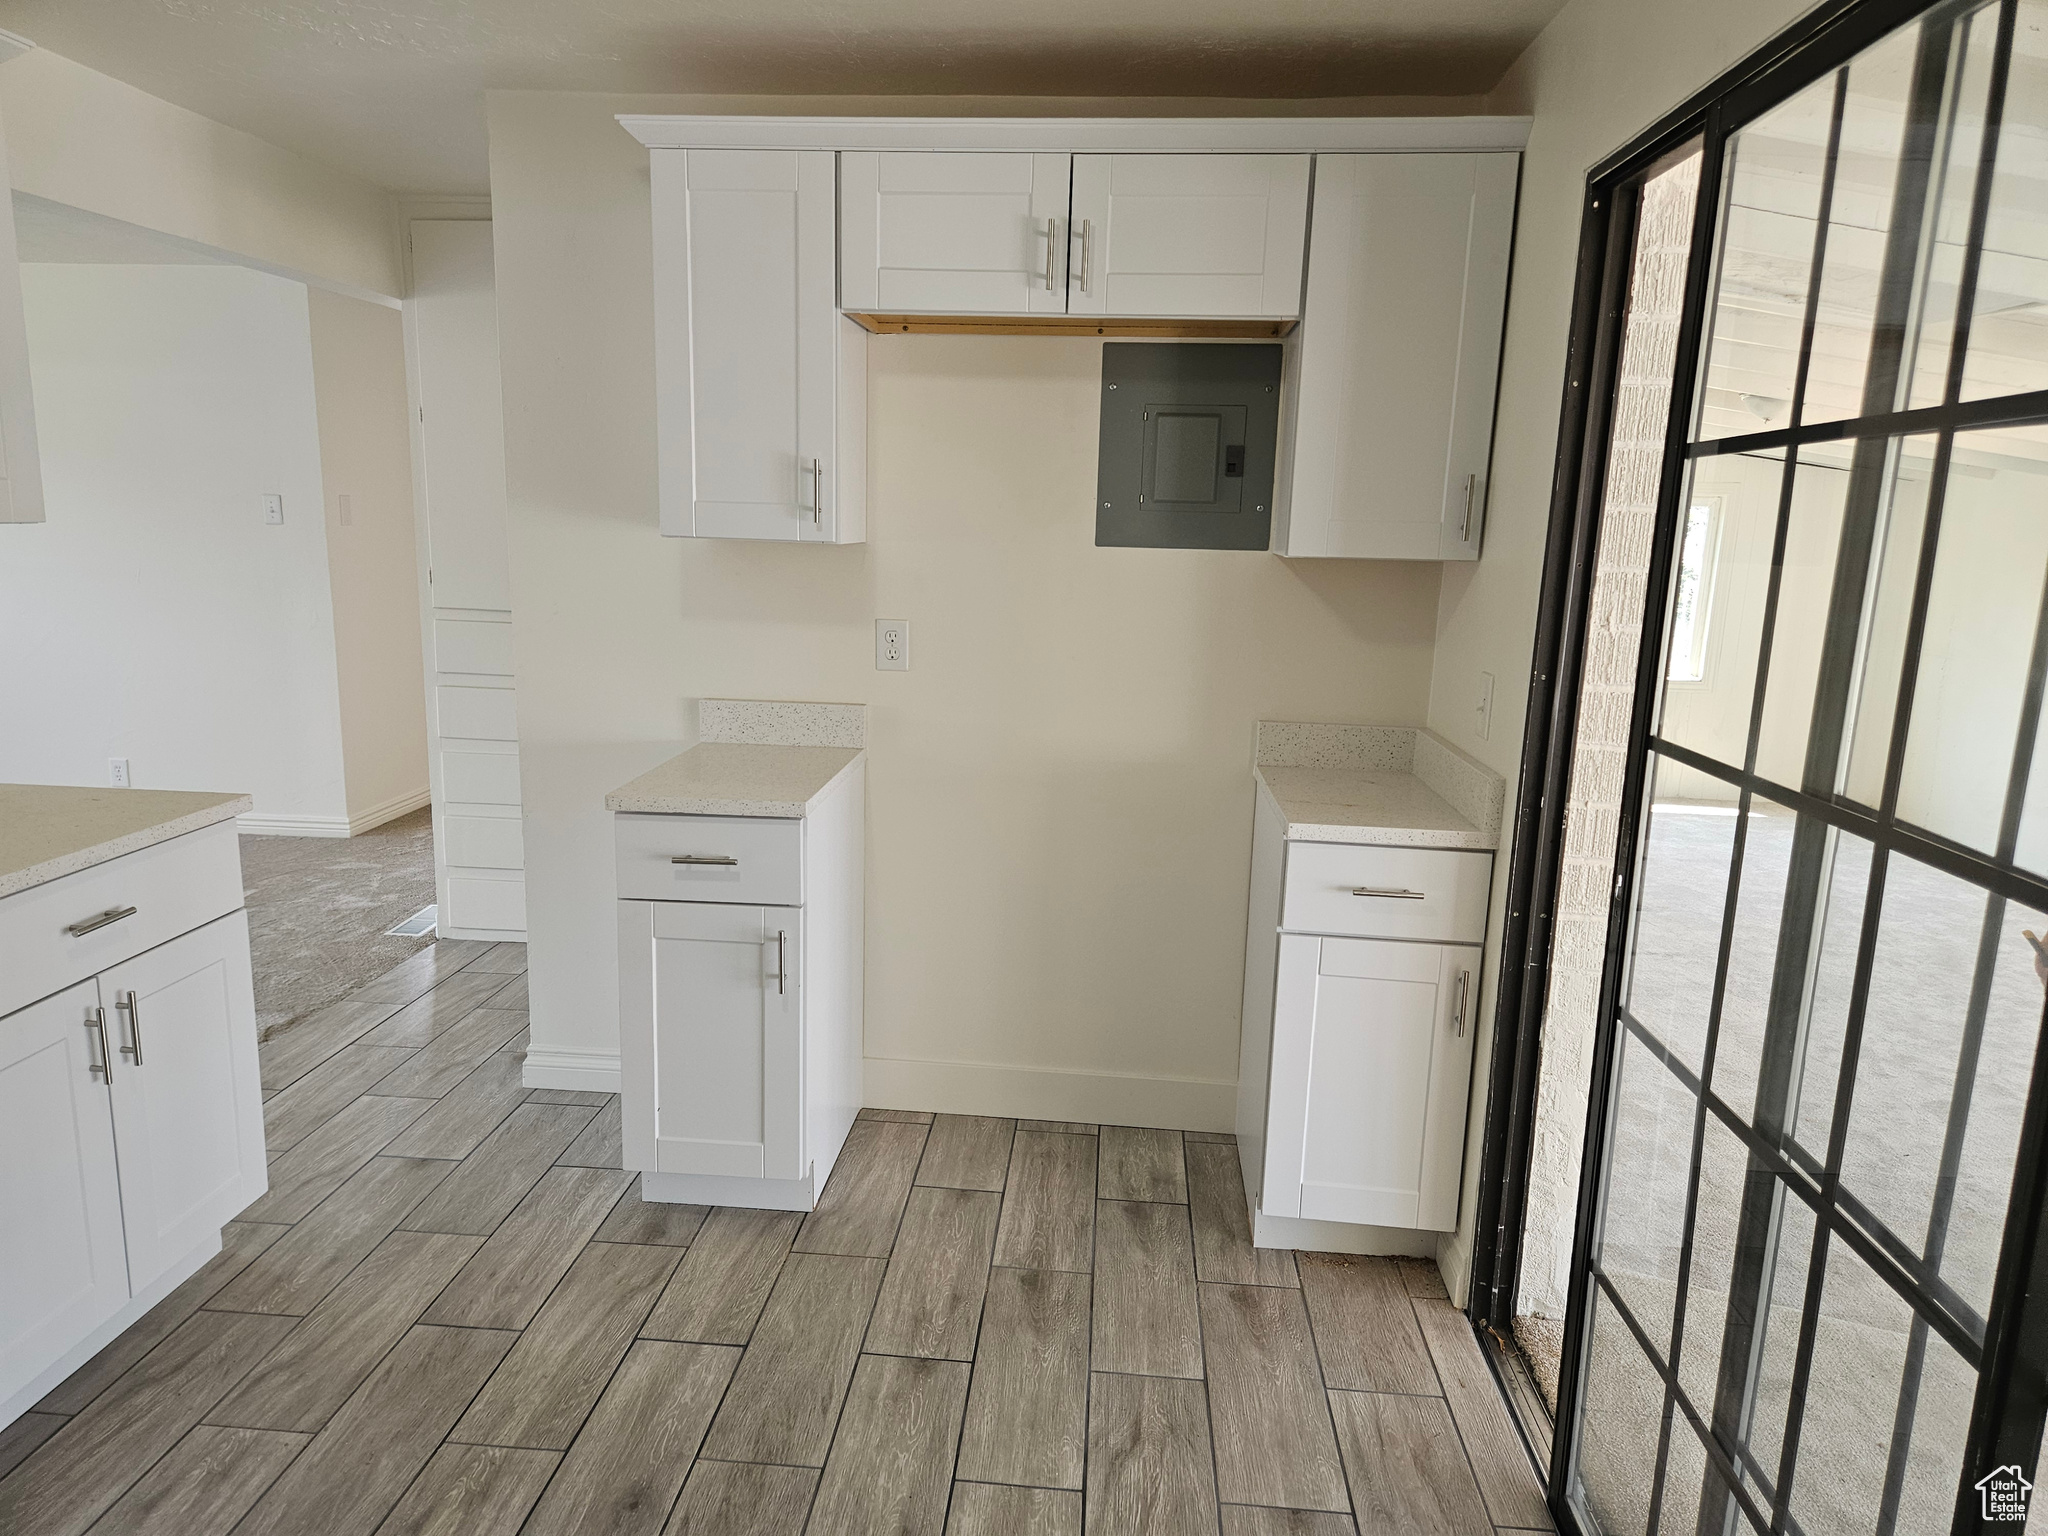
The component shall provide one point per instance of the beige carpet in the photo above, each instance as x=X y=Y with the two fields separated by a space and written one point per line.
x=318 y=908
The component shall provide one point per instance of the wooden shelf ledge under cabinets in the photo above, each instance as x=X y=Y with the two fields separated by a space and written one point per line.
x=1066 y=325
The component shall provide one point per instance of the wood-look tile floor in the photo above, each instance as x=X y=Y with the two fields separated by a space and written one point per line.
x=453 y=1315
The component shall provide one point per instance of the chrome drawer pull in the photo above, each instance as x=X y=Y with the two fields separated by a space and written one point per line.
x=80 y=929
x=781 y=959
x=124 y=1002
x=1458 y=1017
x=96 y=1025
x=706 y=858
x=1389 y=892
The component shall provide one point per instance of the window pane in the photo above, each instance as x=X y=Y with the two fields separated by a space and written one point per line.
x=1896 y=548
x=1859 y=1362
x=1937 y=968
x=1724 y=1174
x=1860 y=219
x=1951 y=192
x=1709 y=711
x=1982 y=615
x=1813 y=537
x=1690 y=1480
x=1787 y=1258
x=1847 y=887
x=1618 y=1440
x=1649 y=1172
x=1774 y=171
x=2009 y=325
x=1680 y=891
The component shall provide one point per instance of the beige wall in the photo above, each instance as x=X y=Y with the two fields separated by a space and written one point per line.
x=84 y=139
x=1060 y=789
x=1601 y=72
x=372 y=559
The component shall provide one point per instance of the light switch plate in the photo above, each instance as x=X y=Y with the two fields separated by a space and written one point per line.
x=1482 y=708
x=273 y=509
x=892 y=645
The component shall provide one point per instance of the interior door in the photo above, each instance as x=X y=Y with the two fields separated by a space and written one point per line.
x=1371 y=1061
x=745 y=336
x=728 y=1058
x=953 y=234
x=188 y=1106
x=1194 y=236
x=61 y=1266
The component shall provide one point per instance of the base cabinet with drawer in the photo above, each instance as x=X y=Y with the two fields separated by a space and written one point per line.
x=131 y=1113
x=1361 y=977
x=740 y=999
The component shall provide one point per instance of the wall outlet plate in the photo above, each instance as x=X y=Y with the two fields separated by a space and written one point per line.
x=892 y=645
x=273 y=509
x=117 y=772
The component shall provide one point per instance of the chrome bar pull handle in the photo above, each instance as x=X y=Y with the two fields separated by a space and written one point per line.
x=124 y=1002
x=817 y=491
x=97 y=921
x=1388 y=892
x=1087 y=239
x=1465 y=523
x=1051 y=236
x=1458 y=1012
x=723 y=859
x=781 y=960
x=96 y=1026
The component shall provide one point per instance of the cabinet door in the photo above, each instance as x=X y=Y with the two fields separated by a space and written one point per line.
x=1188 y=235
x=61 y=1268
x=1399 y=355
x=1372 y=1060
x=714 y=1016
x=953 y=234
x=759 y=380
x=188 y=1106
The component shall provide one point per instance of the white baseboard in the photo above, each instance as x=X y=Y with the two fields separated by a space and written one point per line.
x=710 y=1189
x=390 y=810
x=263 y=824
x=1309 y=1236
x=589 y=1071
x=1038 y=1093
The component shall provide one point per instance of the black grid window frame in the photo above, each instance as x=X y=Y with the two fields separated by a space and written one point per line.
x=2009 y=1346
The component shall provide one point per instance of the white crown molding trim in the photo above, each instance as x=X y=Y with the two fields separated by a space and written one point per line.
x=1038 y=1093
x=590 y=1071
x=1053 y=135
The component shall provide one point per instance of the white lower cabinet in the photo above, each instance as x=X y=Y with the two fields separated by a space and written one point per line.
x=1357 y=1053
x=62 y=1269
x=740 y=1021
x=131 y=1111
x=1372 y=1054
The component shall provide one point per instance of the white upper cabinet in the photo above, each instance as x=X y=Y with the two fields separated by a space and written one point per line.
x=923 y=232
x=1399 y=355
x=1188 y=236
x=761 y=384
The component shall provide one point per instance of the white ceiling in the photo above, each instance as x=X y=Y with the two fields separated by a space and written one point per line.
x=391 y=89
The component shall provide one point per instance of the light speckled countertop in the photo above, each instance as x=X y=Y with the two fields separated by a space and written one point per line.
x=48 y=830
x=754 y=757
x=716 y=778
x=1393 y=785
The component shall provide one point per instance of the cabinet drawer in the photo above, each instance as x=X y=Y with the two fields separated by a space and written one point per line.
x=765 y=854
x=173 y=886
x=1412 y=893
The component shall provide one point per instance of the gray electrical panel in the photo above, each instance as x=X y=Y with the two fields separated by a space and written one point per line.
x=1190 y=431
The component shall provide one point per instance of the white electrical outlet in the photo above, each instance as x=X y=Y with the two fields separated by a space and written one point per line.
x=117 y=772
x=892 y=645
x=1483 y=710
x=273 y=509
